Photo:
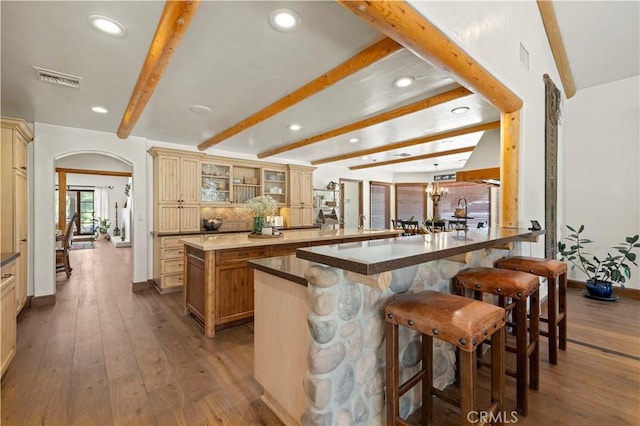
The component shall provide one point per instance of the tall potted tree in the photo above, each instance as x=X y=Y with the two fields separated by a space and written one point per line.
x=601 y=274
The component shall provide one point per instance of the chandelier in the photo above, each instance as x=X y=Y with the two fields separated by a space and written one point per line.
x=438 y=193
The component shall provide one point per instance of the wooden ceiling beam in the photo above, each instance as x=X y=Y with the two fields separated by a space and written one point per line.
x=552 y=29
x=398 y=20
x=416 y=158
x=368 y=56
x=412 y=142
x=92 y=172
x=173 y=23
x=492 y=173
x=380 y=118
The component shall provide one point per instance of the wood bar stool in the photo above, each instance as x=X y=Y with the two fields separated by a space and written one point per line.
x=556 y=274
x=517 y=287
x=462 y=322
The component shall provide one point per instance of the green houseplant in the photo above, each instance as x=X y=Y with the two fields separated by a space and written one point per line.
x=603 y=273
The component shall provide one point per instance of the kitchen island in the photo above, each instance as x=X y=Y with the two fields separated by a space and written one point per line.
x=218 y=285
x=319 y=325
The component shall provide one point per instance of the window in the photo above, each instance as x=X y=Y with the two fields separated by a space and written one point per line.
x=478 y=199
x=411 y=201
x=80 y=201
x=380 y=199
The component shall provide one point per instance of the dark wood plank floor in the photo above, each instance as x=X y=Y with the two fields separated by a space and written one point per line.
x=103 y=355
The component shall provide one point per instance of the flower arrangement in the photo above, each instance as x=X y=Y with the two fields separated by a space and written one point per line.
x=261 y=206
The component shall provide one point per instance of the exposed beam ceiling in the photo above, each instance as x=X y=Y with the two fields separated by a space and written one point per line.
x=372 y=54
x=416 y=158
x=401 y=22
x=173 y=23
x=389 y=115
x=552 y=29
x=411 y=142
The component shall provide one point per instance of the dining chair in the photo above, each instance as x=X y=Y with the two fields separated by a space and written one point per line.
x=410 y=227
x=62 y=252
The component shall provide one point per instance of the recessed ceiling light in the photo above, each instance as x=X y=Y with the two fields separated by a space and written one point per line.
x=295 y=127
x=402 y=155
x=354 y=140
x=284 y=19
x=99 y=109
x=403 y=81
x=366 y=157
x=107 y=25
x=460 y=110
x=447 y=141
x=200 y=109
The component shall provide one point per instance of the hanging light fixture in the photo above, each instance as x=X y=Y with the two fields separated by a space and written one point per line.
x=438 y=193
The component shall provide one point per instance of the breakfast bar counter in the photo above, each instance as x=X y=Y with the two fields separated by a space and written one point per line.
x=218 y=285
x=319 y=323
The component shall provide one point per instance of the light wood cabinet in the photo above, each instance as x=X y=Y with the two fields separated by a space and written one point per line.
x=168 y=264
x=13 y=193
x=7 y=316
x=176 y=191
x=298 y=216
x=275 y=184
x=215 y=183
x=300 y=186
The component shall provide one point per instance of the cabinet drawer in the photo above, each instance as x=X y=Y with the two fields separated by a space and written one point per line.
x=171 y=242
x=171 y=266
x=172 y=253
x=234 y=255
x=171 y=280
x=285 y=249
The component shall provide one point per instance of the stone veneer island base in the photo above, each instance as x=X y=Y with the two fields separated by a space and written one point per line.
x=319 y=348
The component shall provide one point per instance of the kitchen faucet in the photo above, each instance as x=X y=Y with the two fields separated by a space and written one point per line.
x=361 y=220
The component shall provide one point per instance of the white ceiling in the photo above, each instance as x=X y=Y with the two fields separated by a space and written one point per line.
x=234 y=62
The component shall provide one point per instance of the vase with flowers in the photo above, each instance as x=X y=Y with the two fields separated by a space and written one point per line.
x=261 y=207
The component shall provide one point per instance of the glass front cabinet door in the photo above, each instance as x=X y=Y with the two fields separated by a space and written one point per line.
x=215 y=183
x=275 y=185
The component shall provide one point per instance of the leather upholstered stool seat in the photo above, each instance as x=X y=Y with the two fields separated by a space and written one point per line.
x=516 y=287
x=462 y=322
x=556 y=274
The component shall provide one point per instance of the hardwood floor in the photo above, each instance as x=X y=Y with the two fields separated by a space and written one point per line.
x=103 y=355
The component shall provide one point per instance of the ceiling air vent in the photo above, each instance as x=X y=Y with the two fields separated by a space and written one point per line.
x=403 y=155
x=56 y=77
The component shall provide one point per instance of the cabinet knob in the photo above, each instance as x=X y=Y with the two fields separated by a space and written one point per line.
x=24 y=240
x=23 y=167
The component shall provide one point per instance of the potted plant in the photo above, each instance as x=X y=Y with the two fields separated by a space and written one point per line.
x=601 y=274
x=261 y=207
x=102 y=227
x=332 y=185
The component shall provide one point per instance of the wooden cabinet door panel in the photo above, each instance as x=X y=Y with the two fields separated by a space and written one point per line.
x=8 y=322
x=168 y=179
x=235 y=255
x=285 y=249
x=196 y=286
x=234 y=292
x=21 y=206
x=189 y=180
x=295 y=180
x=306 y=189
x=189 y=218
x=168 y=218
x=306 y=214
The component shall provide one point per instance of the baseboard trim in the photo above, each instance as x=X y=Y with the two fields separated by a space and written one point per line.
x=141 y=285
x=627 y=293
x=166 y=290
x=278 y=410
x=40 y=301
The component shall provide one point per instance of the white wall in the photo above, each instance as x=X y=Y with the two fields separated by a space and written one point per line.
x=324 y=174
x=601 y=161
x=52 y=142
x=491 y=32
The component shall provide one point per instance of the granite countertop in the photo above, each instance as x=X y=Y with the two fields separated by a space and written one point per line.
x=288 y=267
x=229 y=241
x=8 y=257
x=374 y=257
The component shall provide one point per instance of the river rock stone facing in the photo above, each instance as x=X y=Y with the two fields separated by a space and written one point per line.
x=345 y=381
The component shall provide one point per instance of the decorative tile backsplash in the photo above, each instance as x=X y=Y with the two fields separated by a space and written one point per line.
x=233 y=218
